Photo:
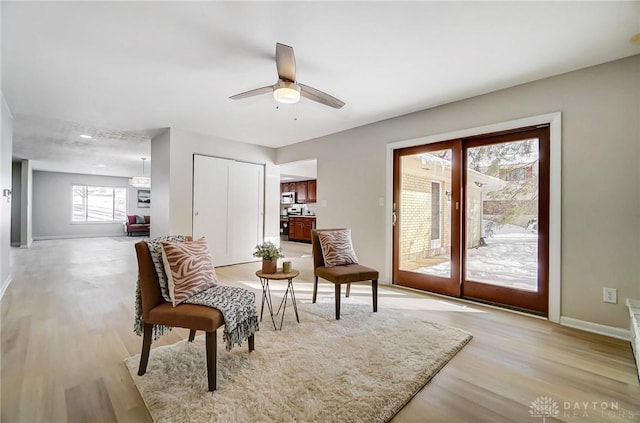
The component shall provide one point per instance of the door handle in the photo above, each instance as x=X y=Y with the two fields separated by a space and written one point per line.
x=394 y=218
x=196 y=214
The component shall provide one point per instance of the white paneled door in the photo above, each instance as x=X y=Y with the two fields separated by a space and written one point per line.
x=228 y=207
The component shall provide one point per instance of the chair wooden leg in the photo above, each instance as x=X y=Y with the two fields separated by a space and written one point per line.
x=252 y=341
x=146 y=347
x=337 y=301
x=315 y=289
x=348 y=290
x=192 y=335
x=374 y=291
x=212 y=364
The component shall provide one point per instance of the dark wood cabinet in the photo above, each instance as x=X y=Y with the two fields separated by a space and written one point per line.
x=300 y=228
x=301 y=192
x=305 y=190
x=311 y=191
x=286 y=187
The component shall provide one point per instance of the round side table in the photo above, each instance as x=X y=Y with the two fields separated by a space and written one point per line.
x=266 y=293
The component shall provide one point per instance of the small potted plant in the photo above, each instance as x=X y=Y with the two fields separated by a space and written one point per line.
x=270 y=254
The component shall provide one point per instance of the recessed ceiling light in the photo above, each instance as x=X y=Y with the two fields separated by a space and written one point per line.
x=85 y=136
x=101 y=165
x=94 y=172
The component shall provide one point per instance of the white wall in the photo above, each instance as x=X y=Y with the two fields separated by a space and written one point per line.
x=179 y=202
x=160 y=188
x=6 y=148
x=600 y=176
x=306 y=169
x=132 y=203
x=52 y=206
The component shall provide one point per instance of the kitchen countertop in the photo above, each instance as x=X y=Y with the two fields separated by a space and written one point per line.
x=307 y=216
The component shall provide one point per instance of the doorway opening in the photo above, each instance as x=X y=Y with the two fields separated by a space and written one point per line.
x=298 y=197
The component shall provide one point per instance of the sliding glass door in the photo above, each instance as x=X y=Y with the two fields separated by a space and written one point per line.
x=471 y=218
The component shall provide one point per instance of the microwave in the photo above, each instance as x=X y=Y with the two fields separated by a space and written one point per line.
x=288 y=198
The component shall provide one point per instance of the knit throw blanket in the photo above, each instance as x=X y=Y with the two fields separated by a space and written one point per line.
x=237 y=305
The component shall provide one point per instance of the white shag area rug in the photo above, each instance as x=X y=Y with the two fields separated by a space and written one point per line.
x=362 y=368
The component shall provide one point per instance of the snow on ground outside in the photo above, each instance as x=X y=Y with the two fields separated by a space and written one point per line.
x=510 y=258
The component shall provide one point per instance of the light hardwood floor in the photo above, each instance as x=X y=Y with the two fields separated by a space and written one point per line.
x=67 y=320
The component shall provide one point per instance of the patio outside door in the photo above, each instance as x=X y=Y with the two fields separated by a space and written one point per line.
x=471 y=218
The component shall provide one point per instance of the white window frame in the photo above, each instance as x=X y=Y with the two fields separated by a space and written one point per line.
x=113 y=205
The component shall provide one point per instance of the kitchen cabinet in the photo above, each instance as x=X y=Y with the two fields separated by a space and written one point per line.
x=286 y=187
x=301 y=192
x=305 y=190
x=311 y=191
x=300 y=228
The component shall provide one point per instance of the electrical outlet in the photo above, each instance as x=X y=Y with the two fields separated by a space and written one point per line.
x=610 y=295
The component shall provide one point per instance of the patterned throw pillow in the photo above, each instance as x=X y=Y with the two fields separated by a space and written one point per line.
x=337 y=248
x=155 y=248
x=189 y=268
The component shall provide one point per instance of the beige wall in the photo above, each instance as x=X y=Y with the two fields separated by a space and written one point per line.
x=600 y=176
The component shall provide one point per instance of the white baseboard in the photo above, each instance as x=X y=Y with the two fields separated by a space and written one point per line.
x=41 y=238
x=611 y=331
x=5 y=285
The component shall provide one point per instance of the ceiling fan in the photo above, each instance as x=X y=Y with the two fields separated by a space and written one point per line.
x=287 y=90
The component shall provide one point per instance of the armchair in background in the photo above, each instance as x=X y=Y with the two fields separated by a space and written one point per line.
x=136 y=224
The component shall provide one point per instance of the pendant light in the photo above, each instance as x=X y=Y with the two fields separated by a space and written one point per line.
x=141 y=181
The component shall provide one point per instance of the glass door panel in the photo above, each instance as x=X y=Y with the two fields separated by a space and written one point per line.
x=425 y=224
x=506 y=219
x=425 y=230
x=501 y=197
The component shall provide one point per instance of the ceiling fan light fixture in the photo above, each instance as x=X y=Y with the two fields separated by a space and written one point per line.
x=286 y=92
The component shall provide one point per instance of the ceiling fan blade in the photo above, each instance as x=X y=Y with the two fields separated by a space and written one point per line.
x=285 y=62
x=251 y=93
x=319 y=96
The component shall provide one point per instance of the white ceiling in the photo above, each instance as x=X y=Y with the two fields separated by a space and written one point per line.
x=124 y=69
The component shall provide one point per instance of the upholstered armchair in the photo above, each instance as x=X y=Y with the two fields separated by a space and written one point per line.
x=138 y=225
x=341 y=274
x=157 y=311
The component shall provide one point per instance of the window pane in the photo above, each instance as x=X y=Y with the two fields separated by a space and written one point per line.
x=425 y=213
x=120 y=204
x=502 y=214
x=79 y=198
x=99 y=204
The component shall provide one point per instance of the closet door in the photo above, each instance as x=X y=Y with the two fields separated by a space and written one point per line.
x=228 y=207
x=247 y=193
x=211 y=201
